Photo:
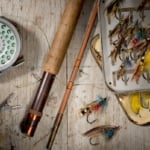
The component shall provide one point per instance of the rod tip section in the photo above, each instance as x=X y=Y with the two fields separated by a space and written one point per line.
x=29 y=124
x=49 y=145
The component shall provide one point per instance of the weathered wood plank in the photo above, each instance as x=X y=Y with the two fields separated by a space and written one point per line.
x=37 y=21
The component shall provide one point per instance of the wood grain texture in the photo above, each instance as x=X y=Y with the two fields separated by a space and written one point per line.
x=37 y=22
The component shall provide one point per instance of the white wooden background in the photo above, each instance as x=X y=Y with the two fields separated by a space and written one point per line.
x=37 y=22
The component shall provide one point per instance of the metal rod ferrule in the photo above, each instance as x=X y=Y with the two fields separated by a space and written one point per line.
x=29 y=124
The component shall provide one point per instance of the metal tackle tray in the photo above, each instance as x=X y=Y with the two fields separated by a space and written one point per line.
x=126 y=83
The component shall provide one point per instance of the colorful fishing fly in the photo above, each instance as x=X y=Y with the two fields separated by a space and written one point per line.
x=107 y=130
x=142 y=46
x=120 y=27
x=138 y=51
x=117 y=50
x=93 y=107
x=123 y=68
x=121 y=71
x=138 y=70
x=131 y=30
x=113 y=55
x=113 y=7
x=137 y=39
x=143 y=65
x=115 y=30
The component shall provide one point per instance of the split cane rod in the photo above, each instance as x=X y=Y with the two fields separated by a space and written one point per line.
x=73 y=75
x=55 y=58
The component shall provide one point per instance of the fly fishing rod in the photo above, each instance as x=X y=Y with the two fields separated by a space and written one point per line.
x=73 y=75
x=55 y=58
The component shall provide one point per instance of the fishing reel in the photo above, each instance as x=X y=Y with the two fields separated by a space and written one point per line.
x=10 y=45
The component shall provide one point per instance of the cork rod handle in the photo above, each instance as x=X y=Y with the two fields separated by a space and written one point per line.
x=63 y=36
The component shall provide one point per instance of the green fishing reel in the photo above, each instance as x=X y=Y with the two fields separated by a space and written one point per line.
x=10 y=44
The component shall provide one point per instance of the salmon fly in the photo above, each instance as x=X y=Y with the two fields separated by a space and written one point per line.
x=121 y=71
x=143 y=65
x=116 y=29
x=117 y=50
x=138 y=50
x=121 y=27
x=93 y=107
x=138 y=70
x=137 y=39
x=142 y=45
x=122 y=24
x=113 y=7
x=131 y=30
x=125 y=23
x=113 y=55
x=107 y=130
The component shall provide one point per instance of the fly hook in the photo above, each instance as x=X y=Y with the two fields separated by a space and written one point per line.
x=107 y=130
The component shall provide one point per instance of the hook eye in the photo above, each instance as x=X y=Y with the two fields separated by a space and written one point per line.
x=92 y=143
x=133 y=56
x=90 y=122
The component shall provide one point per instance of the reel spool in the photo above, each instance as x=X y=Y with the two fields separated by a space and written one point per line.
x=10 y=44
